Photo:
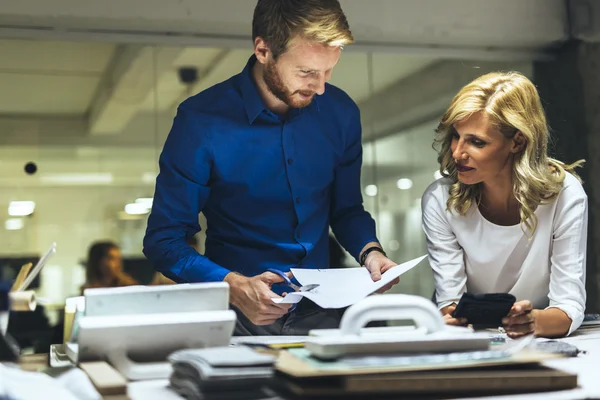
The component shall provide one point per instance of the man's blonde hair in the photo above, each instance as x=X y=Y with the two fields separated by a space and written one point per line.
x=279 y=21
x=512 y=104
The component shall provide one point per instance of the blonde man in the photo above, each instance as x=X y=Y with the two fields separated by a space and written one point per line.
x=272 y=157
x=506 y=217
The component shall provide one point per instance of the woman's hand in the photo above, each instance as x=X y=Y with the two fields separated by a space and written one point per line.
x=520 y=320
x=449 y=319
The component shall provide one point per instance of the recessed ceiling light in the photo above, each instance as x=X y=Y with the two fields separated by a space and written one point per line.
x=77 y=179
x=136 y=209
x=371 y=190
x=404 y=184
x=21 y=208
x=14 y=224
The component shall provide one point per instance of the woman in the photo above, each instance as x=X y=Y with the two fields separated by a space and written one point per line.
x=104 y=268
x=505 y=217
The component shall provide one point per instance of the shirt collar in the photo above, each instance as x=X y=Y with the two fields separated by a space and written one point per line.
x=252 y=101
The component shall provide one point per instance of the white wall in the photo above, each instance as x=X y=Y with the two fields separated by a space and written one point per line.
x=73 y=218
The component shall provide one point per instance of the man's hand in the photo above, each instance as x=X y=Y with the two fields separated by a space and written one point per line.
x=376 y=263
x=449 y=319
x=253 y=297
x=520 y=321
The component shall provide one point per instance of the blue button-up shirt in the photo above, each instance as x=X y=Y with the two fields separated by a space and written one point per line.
x=269 y=186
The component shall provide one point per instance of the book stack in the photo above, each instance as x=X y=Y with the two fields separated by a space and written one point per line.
x=430 y=375
x=221 y=373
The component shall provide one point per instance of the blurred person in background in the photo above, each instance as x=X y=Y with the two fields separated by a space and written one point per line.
x=104 y=268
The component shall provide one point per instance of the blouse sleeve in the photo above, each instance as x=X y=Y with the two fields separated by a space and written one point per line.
x=568 y=256
x=445 y=254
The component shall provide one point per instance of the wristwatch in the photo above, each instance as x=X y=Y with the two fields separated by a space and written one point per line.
x=365 y=253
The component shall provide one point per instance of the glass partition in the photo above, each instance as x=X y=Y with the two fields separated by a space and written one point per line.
x=82 y=126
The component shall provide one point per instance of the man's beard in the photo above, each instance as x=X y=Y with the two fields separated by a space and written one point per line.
x=275 y=85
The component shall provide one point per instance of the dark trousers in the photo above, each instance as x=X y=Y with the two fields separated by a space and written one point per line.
x=305 y=317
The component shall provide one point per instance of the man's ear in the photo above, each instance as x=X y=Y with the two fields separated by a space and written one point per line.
x=519 y=142
x=262 y=51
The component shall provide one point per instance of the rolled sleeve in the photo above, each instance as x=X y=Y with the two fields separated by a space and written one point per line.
x=445 y=254
x=568 y=258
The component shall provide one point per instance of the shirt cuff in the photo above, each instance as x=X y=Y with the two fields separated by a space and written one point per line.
x=204 y=270
x=573 y=313
x=446 y=303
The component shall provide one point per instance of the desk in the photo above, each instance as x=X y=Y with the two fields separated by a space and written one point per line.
x=585 y=366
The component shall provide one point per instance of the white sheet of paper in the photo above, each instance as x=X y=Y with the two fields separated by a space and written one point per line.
x=342 y=287
x=267 y=340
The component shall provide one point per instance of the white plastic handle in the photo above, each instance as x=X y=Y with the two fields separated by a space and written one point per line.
x=390 y=307
x=135 y=371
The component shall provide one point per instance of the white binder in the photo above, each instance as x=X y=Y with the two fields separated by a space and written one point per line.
x=429 y=335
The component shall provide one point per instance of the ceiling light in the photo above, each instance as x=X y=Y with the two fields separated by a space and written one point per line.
x=371 y=190
x=78 y=179
x=394 y=245
x=14 y=224
x=404 y=184
x=136 y=209
x=146 y=201
x=21 y=208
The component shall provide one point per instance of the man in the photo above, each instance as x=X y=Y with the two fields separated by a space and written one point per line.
x=272 y=158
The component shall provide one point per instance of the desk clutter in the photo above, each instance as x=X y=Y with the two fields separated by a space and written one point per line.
x=427 y=359
x=135 y=328
x=119 y=335
x=18 y=298
x=69 y=384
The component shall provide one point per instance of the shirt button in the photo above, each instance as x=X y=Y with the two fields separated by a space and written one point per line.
x=290 y=161
x=298 y=200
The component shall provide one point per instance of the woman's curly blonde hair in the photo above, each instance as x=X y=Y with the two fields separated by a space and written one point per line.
x=513 y=105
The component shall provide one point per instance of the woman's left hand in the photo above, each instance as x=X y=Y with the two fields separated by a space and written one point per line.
x=520 y=321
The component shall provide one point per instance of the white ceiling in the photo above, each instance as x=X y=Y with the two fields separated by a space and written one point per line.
x=38 y=77
x=409 y=23
x=54 y=78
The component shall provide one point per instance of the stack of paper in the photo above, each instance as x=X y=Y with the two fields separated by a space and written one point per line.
x=221 y=372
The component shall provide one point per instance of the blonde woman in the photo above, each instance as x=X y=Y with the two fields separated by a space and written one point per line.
x=505 y=217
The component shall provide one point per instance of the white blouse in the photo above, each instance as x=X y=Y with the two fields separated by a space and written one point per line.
x=469 y=253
